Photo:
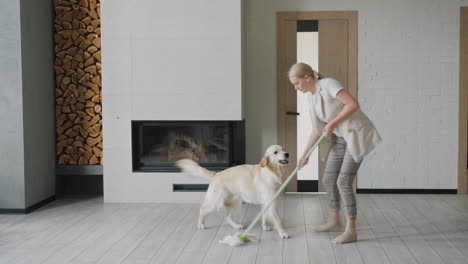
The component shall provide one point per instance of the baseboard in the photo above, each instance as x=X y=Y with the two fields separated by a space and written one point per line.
x=307 y=185
x=408 y=191
x=28 y=209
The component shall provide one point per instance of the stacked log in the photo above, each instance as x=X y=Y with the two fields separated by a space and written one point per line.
x=78 y=82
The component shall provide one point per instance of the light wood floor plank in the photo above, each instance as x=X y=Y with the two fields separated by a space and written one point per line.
x=175 y=244
x=43 y=244
x=395 y=249
x=131 y=240
x=319 y=245
x=419 y=248
x=270 y=249
x=296 y=247
x=391 y=229
x=29 y=234
x=195 y=251
x=369 y=247
x=150 y=245
x=72 y=242
x=112 y=234
x=247 y=254
x=437 y=240
x=221 y=253
x=346 y=253
x=447 y=220
x=39 y=220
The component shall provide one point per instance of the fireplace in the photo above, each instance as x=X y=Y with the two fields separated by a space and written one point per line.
x=215 y=145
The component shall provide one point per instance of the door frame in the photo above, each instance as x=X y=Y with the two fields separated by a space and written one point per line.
x=463 y=105
x=282 y=81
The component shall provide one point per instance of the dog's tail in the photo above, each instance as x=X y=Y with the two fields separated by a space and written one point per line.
x=191 y=167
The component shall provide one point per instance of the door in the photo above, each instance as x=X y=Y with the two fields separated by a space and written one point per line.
x=337 y=58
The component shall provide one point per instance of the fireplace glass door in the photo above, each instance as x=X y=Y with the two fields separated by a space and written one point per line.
x=158 y=145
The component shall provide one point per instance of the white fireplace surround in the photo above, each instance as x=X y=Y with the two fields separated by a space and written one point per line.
x=163 y=62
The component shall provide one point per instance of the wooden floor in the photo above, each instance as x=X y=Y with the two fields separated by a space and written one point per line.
x=392 y=229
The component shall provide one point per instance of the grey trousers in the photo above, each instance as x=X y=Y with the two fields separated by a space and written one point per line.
x=340 y=172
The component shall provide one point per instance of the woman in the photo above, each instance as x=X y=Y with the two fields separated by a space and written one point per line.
x=335 y=111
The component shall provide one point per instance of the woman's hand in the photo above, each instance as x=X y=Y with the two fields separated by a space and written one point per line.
x=328 y=129
x=302 y=162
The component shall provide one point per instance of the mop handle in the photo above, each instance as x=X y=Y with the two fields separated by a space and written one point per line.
x=285 y=183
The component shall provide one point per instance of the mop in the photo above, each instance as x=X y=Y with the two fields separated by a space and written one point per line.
x=239 y=239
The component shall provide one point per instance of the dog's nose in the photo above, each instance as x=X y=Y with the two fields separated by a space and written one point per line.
x=286 y=155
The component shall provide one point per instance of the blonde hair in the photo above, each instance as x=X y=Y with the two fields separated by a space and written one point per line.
x=300 y=70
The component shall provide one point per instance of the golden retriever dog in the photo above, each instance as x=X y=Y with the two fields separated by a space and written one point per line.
x=254 y=184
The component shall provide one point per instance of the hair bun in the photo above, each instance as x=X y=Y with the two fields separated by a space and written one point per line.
x=316 y=75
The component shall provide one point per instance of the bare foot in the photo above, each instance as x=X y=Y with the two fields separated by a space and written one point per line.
x=348 y=236
x=332 y=226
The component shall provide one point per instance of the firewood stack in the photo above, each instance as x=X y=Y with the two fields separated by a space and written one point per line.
x=78 y=82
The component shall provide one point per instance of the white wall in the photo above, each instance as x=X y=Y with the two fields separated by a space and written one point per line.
x=12 y=187
x=38 y=99
x=27 y=102
x=165 y=60
x=408 y=85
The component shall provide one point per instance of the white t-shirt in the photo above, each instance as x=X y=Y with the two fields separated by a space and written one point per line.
x=332 y=87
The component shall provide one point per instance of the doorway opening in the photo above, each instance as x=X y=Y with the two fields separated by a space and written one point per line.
x=307 y=50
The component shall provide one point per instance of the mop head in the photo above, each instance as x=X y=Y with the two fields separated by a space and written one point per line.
x=236 y=240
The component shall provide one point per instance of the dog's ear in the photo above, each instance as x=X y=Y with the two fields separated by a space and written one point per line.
x=265 y=161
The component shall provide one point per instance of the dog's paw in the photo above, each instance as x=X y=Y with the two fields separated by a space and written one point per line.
x=201 y=226
x=267 y=228
x=283 y=235
x=239 y=226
